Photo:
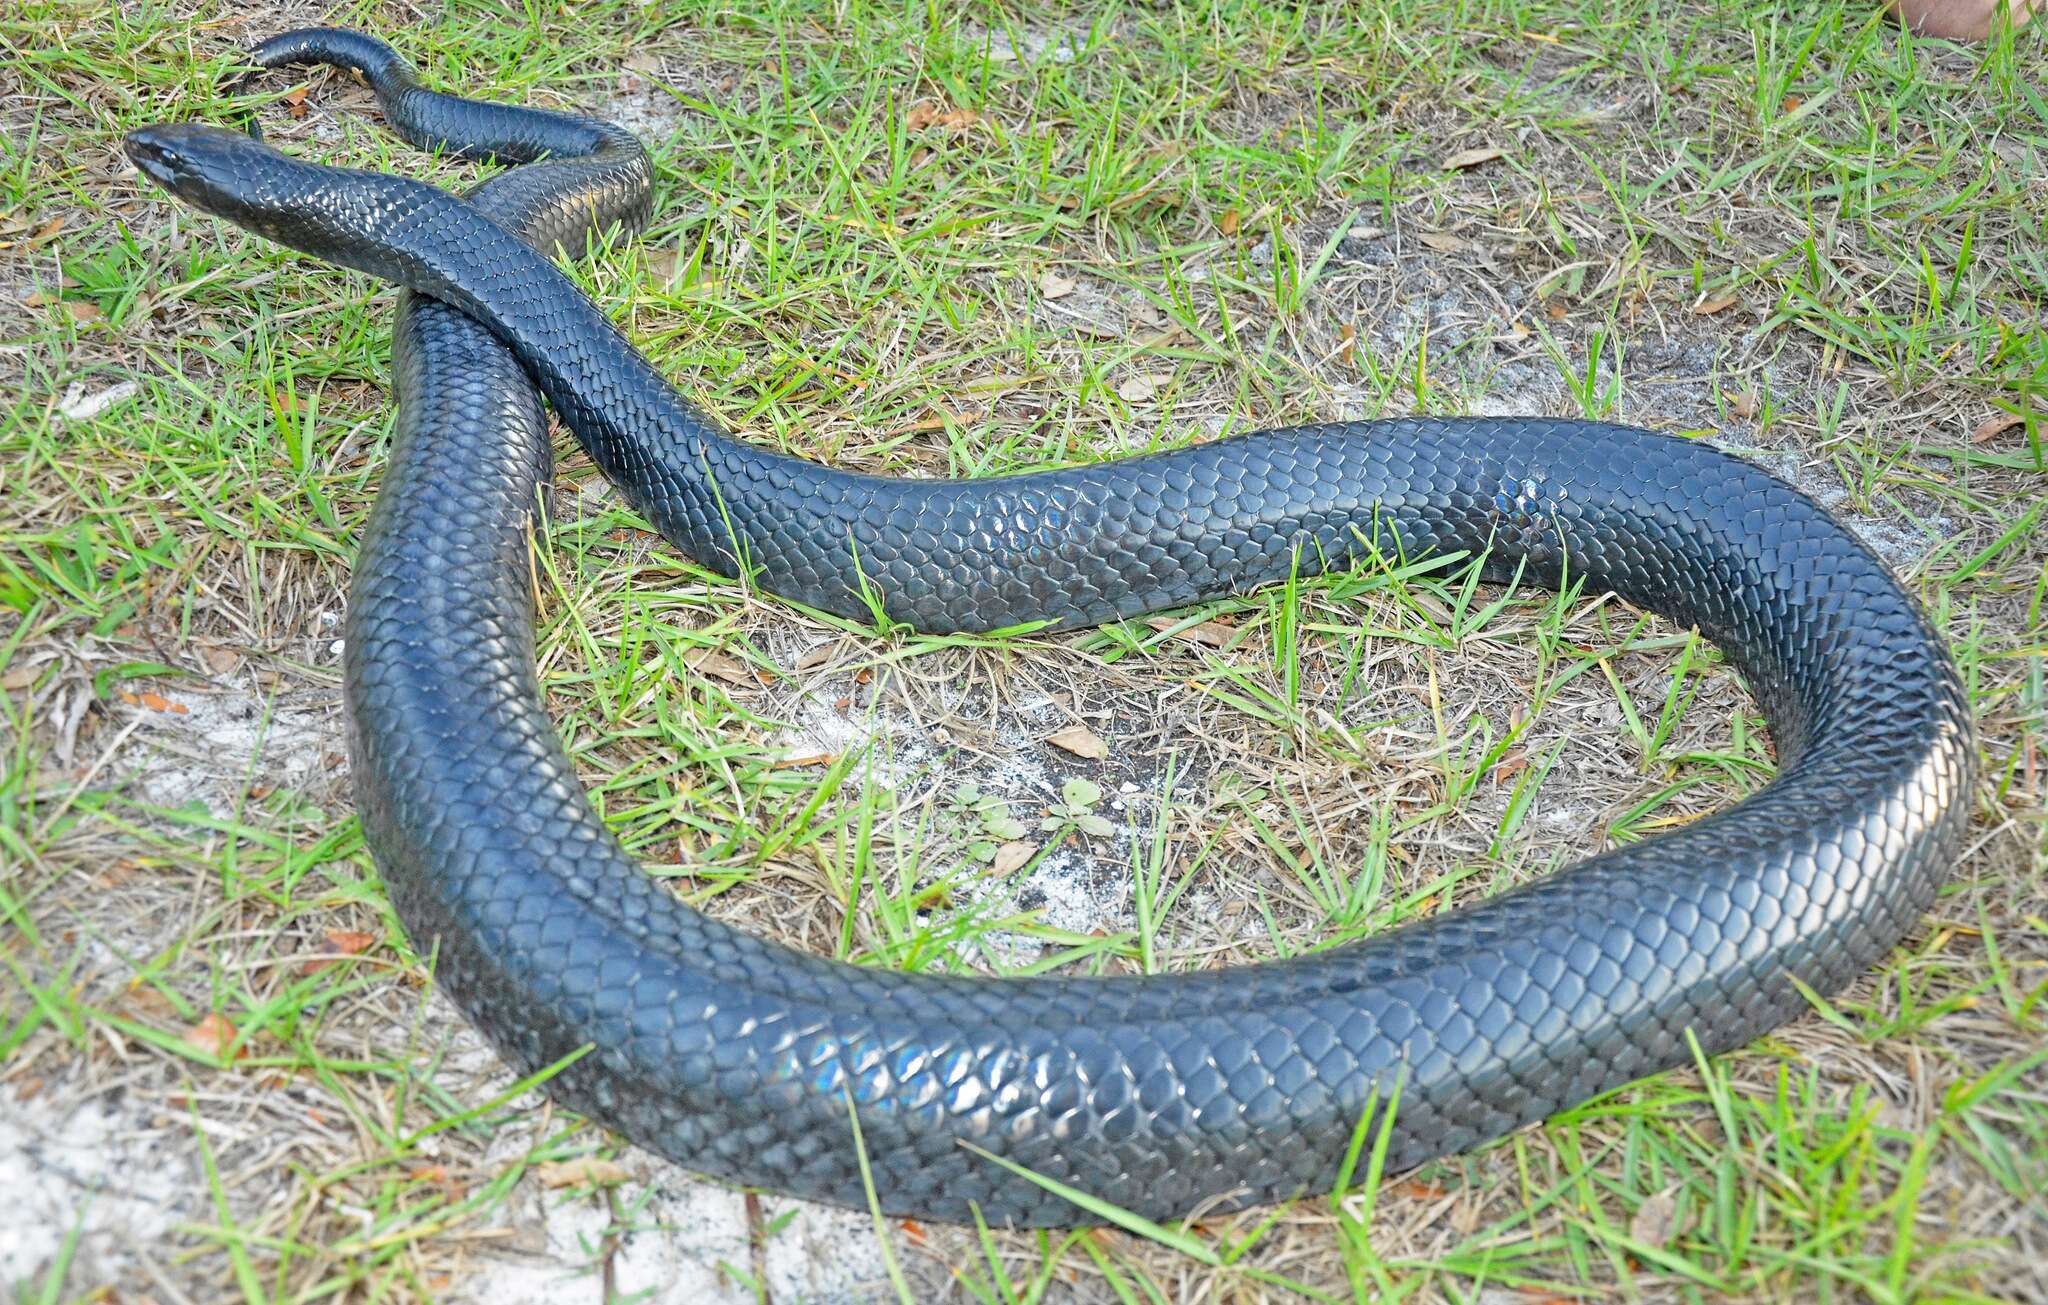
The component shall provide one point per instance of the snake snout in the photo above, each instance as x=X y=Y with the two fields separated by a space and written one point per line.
x=191 y=161
x=155 y=150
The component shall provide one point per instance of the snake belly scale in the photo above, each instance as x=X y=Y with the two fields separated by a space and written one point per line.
x=740 y=1057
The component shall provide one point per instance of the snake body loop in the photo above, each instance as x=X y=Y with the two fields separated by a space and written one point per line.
x=742 y=1058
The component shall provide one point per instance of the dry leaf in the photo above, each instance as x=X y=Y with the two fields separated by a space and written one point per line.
x=1229 y=222
x=1742 y=403
x=815 y=657
x=643 y=62
x=1054 y=286
x=348 y=942
x=212 y=1035
x=1651 y=1224
x=1012 y=857
x=351 y=942
x=1210 y=634
x=1472 y=158
x=717 y=665
x=18 y=677
x=929 y=113
x=1140 y=389
x=1349 y=347
x=1081 y=741
x=808 y=759
x=662 y=263
x=1995 y=425
x=582 y=1171
x=1708 y=307
x=81 y=311
x=295 y=102
x=1443 y=242
x=1557 y=312
x=219 y=660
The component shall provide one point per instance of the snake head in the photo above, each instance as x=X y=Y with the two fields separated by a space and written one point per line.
x=201 y=165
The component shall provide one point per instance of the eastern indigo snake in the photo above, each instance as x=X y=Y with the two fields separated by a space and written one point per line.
x=742 y=1058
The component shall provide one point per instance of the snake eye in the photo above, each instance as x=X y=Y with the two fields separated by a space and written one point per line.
x=156 y=156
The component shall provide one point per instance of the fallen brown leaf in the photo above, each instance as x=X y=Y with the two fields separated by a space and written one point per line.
x=212 y=1035
x=1012 y=857
x=719 y=666
x=808 y=759
x=1081 y=741
x=583 y=1170
x=219 y=660
x=662 y=263
x=1443 y=242
x=1995 y=425
x=1708 y=307
x=1140 y=389
x=1054 y=286
x=1210 y=634
x=1228 y=223
x=1472 y=158
x=19 y=677
x=351 y=942
x=1651 y=1224
x=1742 y=403
x=931 y=113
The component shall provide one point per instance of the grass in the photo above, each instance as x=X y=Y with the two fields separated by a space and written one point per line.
x=955 y=241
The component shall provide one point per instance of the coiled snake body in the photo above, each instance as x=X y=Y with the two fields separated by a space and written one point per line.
x=742 y=1058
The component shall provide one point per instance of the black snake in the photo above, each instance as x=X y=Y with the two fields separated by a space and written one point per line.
x=743 y=1058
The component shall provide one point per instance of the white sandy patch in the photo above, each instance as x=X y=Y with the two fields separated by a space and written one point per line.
x=95 y=1168
x=680 y=1240
x=223 y=743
